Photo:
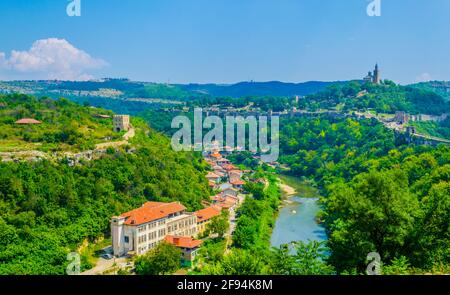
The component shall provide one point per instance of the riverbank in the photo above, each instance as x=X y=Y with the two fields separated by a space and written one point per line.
x=291 y=185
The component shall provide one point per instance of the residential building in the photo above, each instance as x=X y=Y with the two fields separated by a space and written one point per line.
x=204 y=217
x=230 y=191
x=188 y=246
x=237 y=183
x=139 y=230
x=211 y=176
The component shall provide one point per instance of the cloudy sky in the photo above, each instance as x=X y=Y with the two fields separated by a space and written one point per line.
x=224 y=41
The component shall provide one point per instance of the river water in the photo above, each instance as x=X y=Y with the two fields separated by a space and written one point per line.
x=297 y=222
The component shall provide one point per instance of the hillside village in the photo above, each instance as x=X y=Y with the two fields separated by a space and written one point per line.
x=137 y=231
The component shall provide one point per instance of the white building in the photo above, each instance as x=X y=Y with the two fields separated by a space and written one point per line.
x=139 y=230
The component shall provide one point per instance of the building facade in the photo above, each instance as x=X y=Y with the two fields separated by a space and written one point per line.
x=140 y=230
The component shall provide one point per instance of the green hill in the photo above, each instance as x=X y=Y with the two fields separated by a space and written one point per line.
x=441 y=88
x=64 y=125
x=385 y=98
x=49 y=208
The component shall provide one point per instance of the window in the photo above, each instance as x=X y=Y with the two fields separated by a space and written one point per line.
x=127 y=239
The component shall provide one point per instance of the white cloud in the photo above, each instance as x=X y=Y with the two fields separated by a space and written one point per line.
x=424 y=77
x=50 y=59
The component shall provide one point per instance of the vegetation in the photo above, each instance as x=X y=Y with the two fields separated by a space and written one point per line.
x=162 y=260
x=384 y=98
x=307 y=259
x=65 y=125
x=49 y=208
x=256 y=218
x=378 y=195
x=219 y=225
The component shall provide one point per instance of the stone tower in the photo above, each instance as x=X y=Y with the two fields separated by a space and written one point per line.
x=376 y=75
x=121 y=123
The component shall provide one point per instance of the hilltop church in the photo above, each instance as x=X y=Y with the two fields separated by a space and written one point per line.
x=373 y=77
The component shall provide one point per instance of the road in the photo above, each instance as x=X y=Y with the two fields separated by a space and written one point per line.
x=106 y=264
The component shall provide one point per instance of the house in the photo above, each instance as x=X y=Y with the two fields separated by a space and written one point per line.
x=237 y=183
x=222 y=162
x=28 y=121
x=229 y=167
x=188 y=246
x=224 y=201
x=204 y=217
x=215 y=156
x=211 y=176
x=212 y=184
x=230 y=191
x=139 y=230
x=233 y=174
x=225 y=186
x=218 y=168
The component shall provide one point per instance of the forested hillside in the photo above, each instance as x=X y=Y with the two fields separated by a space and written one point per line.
x=385 y=98
x=64 y=125
x=48 y=208
x=378 y=195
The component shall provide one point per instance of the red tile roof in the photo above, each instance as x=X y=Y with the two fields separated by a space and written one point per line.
x=28 y=121
x=229 y=167
x=212 y=175
x=151 y=211
x=225 y=205
x=216 y=155
x=183 y=242
x=237 y=182
x=207 y=213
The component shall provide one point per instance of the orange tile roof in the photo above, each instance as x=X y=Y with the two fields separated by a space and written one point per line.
x=237 y=182
x=212 y=175
x=151 y=211
x=216 y=155
x=225 y=205
x=207 y=213
x=183 y=242
x=229 y=167
x=28 y=121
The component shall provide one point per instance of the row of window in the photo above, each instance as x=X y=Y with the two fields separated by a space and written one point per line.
x=181 y=224
x=151 y=236
x=151 y=225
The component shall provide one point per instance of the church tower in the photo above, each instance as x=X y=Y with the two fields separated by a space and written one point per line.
x=376 y=75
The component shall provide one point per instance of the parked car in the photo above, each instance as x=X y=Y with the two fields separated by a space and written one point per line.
x=107 y=256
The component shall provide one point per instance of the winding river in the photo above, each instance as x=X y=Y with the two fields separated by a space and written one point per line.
x=297 y=222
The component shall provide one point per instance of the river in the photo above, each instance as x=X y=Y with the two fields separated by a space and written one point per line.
x=297 y=222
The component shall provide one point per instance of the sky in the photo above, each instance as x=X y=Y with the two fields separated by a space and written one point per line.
x=225 y=41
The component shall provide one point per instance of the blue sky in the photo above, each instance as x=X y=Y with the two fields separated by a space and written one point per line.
x=226 y=41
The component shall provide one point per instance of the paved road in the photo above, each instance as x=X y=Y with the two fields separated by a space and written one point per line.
x=105 y=264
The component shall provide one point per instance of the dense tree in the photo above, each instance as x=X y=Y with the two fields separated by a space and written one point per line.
x=219 y=225
x=161 y=260
x=374 y=214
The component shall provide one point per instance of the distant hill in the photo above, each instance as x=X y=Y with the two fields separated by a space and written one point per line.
x=273 y=88
x=439 y=87
x=385 y=98
x=123 y=88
